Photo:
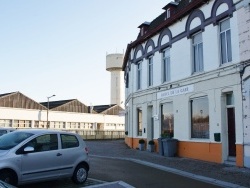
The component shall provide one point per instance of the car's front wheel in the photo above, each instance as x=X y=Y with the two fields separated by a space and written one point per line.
x=80 y=174
x=8 y=177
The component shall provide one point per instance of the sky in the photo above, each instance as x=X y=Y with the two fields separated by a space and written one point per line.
x=59 y=47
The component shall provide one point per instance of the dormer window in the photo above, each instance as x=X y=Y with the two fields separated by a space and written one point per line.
x=142 y=31
x=143 y=28
x=170 y=9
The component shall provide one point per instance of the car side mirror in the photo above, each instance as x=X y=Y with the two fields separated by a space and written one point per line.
x=29 y=149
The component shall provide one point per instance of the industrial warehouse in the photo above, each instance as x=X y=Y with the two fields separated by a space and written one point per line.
x=19 y=111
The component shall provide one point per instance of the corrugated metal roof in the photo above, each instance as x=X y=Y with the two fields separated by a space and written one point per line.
x=1 y=95
x=101 y=108
x=54 y=104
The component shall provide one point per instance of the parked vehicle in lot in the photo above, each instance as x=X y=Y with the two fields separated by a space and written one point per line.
x=32 y=155
x=4 y=130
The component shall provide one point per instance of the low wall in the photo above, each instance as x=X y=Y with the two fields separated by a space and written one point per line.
x=203 y=151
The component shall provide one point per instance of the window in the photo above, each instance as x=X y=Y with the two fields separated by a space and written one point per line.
x=230 y=99
x=225 y=42
x=142 y=31
x=5 y=123
x=139 y=75
x=167 y=120
x=150 y=71
x=22 y=123
x=69 y=141
x=166 y=65
x=168 y=13
x=139 y=123
x=199 y=118
x=43 y=143
x=127 y=80
x=197 y=53
x=40 y=124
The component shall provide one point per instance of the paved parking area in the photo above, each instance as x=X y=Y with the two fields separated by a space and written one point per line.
x=221 y=173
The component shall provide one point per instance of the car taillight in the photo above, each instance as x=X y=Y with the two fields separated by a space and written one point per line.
x=86 y=150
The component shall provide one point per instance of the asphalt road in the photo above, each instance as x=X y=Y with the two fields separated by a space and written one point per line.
x=137 y=175
x=140 y=176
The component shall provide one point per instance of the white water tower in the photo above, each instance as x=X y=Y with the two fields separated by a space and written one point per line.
x=114 y=65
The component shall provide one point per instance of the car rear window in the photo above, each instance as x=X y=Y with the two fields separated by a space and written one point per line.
x=69 y=141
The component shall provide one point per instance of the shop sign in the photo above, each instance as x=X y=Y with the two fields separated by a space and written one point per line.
x=175 y=91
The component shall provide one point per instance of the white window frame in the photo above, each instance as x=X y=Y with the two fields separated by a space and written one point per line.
x=226 y=45
x=150 y=71
x=197 y=49
x=166 y=65
x=168 y=13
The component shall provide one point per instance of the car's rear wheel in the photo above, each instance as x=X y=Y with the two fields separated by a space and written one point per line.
x=8 y=177
x=80 y=174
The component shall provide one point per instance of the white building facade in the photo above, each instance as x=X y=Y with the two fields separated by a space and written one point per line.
x=184 y=78
x=70 y=121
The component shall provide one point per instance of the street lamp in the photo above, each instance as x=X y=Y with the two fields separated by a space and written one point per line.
x=48 y=110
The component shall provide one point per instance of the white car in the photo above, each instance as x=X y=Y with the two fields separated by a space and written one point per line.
x=4 y=130
x=32 y=155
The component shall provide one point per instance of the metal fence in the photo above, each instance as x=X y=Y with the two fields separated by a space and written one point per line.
x=99 y=135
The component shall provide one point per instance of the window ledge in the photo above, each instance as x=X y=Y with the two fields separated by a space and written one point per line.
x=205 y=140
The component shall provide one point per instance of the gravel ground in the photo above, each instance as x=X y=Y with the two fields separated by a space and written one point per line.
x=223 y=172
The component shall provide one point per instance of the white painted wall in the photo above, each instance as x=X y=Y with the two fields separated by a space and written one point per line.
x=180 y=59
x=157 y=63
x=211 y=45
x=243 y=15
x=246 y=119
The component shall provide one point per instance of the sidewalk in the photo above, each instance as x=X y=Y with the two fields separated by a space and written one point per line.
x=196 y=169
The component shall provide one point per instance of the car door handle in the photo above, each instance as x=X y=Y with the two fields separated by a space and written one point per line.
x=58 y=154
